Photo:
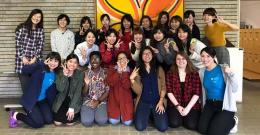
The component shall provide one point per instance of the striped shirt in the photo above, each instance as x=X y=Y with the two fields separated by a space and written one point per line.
x=28 y=45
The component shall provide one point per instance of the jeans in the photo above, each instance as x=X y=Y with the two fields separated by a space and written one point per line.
x=89 y=115
x=39 y=115
x=142 y=115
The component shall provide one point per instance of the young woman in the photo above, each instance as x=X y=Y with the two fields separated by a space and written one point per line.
x=215 y=30
x=110 y=48
x=39 y=94
x=147 y=26
x=80 y=35
x=120 y=102
x=85 y=48
x=105 y=20
x=148 y=82
x=189 y=45
x=163 y=47
x=138 y=43
x=189 y=20
x=62 y=39
x=163 y=20
x=94 y=108
x=29 y=38
x=68 y=101
x=220 y=86
x=126 y=31
x=184 y=91
x=175 y=22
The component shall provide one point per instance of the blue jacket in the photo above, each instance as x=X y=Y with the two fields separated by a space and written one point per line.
x=33 y=88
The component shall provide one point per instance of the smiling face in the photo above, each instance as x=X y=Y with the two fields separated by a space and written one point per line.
x=36 y=18
x=138 y=37
x=90 y=38
x=147 y=56
x=95 y=61
x=72 y=64
x=182 y=35
x=206 y=59
x=105 y=22
x=164 y=19
x=208 y=18
x=53 y=64
x=111 y=38
x=181 y=62
x=126 y=24
x=122 y=60
x=158 y=36
x=63 y=23
x=86 y=25
x=189 y=21
x=174 y=24
x=146 y=23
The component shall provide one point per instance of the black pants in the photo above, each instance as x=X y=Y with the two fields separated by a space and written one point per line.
x=214 y=120
x=39 y=115
x=24 y=79
x=190 y=121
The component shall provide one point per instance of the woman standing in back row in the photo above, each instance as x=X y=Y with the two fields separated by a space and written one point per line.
x=215 y=30
x=29 y=37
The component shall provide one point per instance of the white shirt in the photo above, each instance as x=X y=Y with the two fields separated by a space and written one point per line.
x=62 y=42
x=84 y=45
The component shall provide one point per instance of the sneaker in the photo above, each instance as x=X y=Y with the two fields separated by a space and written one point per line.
x=12 y=122
x=234 y=129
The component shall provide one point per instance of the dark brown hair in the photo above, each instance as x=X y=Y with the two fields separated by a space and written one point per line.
x=189 y=68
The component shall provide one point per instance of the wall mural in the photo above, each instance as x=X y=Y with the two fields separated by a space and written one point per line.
x=117 y=8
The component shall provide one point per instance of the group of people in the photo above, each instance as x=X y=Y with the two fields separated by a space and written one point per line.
x=163 y=74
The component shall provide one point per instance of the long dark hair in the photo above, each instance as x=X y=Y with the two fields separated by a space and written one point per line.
x=137 y=30
x=129 y=18
x=153 y=64
x=110 y=31
x=56 y=56
x=28 y=24
x=189 y=68
x=180 y=44
x=160 y=17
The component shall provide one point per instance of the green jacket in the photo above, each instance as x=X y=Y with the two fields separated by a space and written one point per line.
x=75 y=90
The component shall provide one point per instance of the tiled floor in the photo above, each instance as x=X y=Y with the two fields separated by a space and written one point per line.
x=248 y=112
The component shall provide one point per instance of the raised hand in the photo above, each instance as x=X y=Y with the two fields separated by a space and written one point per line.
x=119 y=42
x=65 y=69
x=134 y=74
x=81 y=31
x=46 y=62
x=167 y=45
x=83 y=52
x=154 y=50
x=86 y=80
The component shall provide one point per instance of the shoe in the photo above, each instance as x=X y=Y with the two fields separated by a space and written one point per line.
x=12 y=122
x=234 y=129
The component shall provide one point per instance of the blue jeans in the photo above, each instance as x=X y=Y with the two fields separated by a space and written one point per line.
x=142 y=116
x=39 y=115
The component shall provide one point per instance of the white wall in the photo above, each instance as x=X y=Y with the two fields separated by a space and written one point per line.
x=249 y=13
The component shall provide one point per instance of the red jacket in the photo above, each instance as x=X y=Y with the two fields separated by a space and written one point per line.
x=109 y=56
x=120 y=102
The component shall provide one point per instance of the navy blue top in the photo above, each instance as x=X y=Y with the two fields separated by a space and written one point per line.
x=150 y=93
x=214 y=83
x=33 y=89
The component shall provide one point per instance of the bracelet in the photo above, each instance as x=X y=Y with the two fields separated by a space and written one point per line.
x=177 y=105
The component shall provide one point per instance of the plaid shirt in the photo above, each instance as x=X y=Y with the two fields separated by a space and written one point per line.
x=28 y=46
x=192 y=87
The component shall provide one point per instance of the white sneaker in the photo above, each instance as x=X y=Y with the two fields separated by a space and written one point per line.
x=234 y=129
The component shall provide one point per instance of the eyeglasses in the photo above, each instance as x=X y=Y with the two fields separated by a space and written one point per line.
x=122 y=58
